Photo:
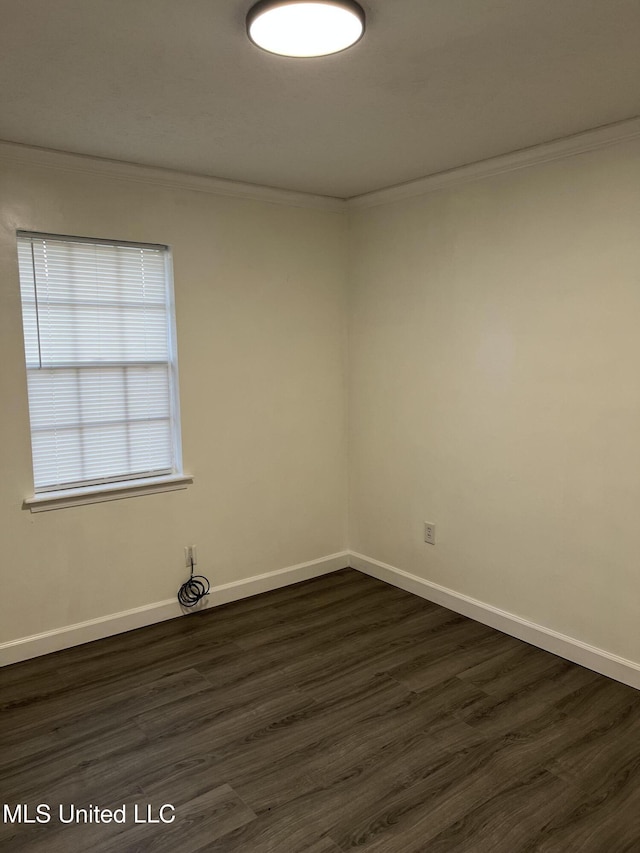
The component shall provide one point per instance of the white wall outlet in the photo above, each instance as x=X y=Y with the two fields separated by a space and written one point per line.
x=429 y=533
x=190 y=555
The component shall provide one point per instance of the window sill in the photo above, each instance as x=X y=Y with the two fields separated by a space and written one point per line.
x=107 y=492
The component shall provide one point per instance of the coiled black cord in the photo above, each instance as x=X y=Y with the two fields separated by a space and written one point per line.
x=193 y=590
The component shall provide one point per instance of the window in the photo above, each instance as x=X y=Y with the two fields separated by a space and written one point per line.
x=101 y=361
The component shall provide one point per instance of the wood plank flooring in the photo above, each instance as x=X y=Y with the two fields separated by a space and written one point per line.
x=334 y=715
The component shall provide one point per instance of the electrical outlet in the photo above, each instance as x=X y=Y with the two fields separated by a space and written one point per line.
x=429 y=533
x=190 y=555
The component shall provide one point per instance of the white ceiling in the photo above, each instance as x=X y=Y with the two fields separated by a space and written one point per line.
x=434 y=84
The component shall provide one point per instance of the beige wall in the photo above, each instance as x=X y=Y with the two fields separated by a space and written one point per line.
x=495 y=391
x=494 y=350
x=260 y=302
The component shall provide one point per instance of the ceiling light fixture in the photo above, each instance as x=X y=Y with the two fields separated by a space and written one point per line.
x=305 y=28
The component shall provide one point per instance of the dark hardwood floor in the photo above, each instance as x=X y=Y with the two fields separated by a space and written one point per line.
x=335 y=714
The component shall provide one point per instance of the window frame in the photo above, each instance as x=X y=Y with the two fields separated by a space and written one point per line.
x=130 y=484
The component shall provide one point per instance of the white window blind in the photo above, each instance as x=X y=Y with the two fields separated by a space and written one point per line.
x=100 y=353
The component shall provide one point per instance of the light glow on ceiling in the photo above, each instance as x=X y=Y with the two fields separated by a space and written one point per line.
x=304 y=28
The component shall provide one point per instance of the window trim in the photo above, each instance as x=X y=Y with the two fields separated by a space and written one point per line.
x=64 y=498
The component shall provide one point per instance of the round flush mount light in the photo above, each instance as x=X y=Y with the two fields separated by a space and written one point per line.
x=305 y=28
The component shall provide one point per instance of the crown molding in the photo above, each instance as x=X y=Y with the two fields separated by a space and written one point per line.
x=28 y=155
x=568 y=146
x=546 y=152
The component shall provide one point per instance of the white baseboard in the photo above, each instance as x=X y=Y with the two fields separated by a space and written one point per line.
x=599 y=660
x=127 y=620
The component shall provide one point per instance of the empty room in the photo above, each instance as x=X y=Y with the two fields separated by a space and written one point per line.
x=319 y=359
